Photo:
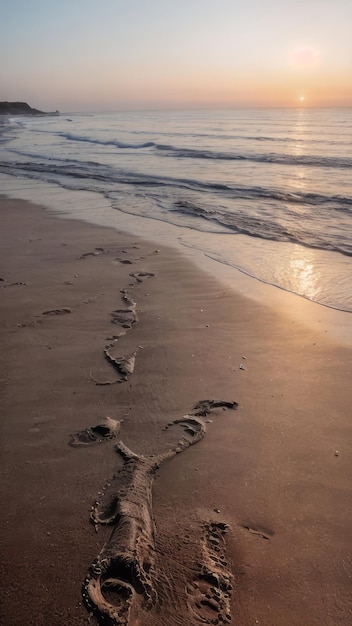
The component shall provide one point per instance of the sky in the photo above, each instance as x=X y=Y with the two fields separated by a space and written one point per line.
x=106 y=55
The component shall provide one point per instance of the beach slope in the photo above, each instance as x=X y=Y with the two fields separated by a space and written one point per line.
x=119 y=480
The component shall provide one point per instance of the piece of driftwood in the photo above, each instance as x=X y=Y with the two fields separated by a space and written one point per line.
x=122 y=573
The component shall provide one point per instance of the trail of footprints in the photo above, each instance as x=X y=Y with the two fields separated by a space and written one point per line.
x=126 y=318
x=121 y=579
x=210 y=593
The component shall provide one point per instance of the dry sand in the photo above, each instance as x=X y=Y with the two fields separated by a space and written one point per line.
x=253 y=523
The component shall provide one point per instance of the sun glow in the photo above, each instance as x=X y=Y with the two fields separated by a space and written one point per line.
x=304 y=58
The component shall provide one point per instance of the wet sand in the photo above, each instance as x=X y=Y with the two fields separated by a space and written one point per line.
x=252 y=522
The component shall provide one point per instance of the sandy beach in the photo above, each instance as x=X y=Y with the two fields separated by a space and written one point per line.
x=251 y=503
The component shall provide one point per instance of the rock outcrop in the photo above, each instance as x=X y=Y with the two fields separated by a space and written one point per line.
x=21 y=108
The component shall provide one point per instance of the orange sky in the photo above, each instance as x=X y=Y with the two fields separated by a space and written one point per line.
x=87 y=55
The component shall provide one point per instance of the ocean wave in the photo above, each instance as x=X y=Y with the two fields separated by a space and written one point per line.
x=170 y=150
x=254 y=226
x=102 y=142
x=281 y=159
x=235 y=136
x=97 y=171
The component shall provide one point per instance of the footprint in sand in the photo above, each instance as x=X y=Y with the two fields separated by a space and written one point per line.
x=105 y=430
x=12 y=284
x=210 y=593
x=126 y=261
x=126 y=317
x=124 y=365
x=95 y=252
x=140 y=276
x=62 y=311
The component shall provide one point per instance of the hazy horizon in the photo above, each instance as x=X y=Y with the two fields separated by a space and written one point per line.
x=92 y=57
x=189 y=108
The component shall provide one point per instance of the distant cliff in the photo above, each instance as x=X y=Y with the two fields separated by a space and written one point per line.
x=21 y=108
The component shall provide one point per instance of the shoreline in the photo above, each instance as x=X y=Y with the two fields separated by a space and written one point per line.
x=269 y=470
x=334 y=323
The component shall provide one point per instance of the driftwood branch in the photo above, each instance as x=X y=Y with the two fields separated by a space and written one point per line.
x=122 y=573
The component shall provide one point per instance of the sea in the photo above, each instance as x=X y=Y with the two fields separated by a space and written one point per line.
x=266 y=192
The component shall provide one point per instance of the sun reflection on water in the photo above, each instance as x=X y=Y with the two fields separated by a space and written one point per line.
x=303 y=273
x=297 y=180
